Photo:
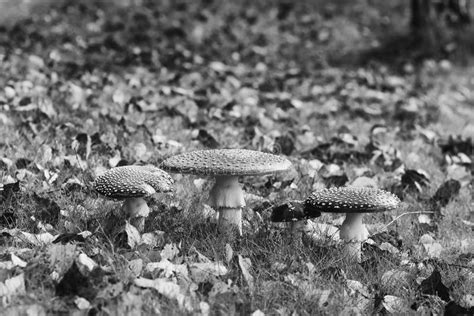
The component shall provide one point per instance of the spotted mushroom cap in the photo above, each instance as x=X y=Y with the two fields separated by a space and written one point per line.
x=133 y=181
x=351 y=200
x=291 y=211
x=226 y=162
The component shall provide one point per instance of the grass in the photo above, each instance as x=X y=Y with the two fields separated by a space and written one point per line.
x=94 y=83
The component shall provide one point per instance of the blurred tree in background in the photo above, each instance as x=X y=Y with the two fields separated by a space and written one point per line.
x=426 y=14
x=434 y=24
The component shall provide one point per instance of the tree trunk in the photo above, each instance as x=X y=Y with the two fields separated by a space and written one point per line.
x=421 y=15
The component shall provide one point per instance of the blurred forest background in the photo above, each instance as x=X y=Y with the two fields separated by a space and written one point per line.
x=338 y=31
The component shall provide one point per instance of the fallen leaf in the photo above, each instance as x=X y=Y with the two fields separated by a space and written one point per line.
x=85 y=264
x=200 y=272
x=140 y=152
x=415 y=179
x=456 y=144
x=167 y=268
x=389 y=247
x=393 y=281
x=245 y=264
x=365 y=182
x=135 y=266
x=229 y=253
x=394 y=304
x=278 y=266
x=357 y=287
x=68 y=237
x=447 y=191
x=25 y=309
x=361 y=294
x=17 y=261
x=37 y=239
x=169 y=251
x=13 y=286
x=460 y=174
x=433 y=285
x=257 y=313
x=133 y=235
x=207 y=139
x=168 y=289
x=61 y=257
x=75 y=283
x=153 y=239
x=204 y=308
x=324 y=298
x=220 y=287
x=467 y=300
x=432 y=248
x=82 y=145
x=111 y=291
x=452 y=308
x=82 y=303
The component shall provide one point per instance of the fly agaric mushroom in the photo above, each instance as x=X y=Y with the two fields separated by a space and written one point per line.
x=132 y=184
x=226 y=165
x=294 y=213
x=354 y=202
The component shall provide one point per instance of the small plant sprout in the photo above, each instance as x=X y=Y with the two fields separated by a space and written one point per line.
x=132 y=184
x=293 y=213
x=226 y=165
x=354 y=202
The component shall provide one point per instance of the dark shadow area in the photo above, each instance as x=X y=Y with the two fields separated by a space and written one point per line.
x=436 y=30
x=317 y=34
x=398 y=49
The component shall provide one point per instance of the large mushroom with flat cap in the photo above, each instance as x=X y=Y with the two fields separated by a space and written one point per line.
x=226 y=165
x=132 y=184
x=353 y=201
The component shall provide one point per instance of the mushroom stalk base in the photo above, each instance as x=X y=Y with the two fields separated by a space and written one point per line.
x=137 y=210
x=230 y=219
x=297 y=228
x=352 y=250
x=353 y=232
x=227 y=197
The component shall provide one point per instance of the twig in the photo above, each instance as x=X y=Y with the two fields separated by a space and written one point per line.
x=407 y=213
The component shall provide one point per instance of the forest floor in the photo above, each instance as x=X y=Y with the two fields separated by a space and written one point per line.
x=90 y=85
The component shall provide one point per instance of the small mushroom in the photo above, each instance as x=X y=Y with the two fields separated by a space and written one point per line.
x=132 y=184
x=354 y=202
x=226 y=165
x=293 y=212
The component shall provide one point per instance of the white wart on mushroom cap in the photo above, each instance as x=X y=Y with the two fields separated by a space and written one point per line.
x=226 y=165
x=132 y=184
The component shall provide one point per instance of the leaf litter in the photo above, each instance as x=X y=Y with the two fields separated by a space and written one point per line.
x=115 y=96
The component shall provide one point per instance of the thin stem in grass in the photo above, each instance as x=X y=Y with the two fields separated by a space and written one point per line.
x=408 y=213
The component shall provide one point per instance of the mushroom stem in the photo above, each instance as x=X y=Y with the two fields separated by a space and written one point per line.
x=136 y=209
x=230 y=219
x=353 y=232
x=297 y=228
x=227 y=197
